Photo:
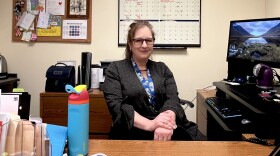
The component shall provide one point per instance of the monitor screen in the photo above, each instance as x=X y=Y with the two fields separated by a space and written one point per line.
x=255 y=41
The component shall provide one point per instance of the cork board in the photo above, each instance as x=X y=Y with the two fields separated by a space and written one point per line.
x=73 y=21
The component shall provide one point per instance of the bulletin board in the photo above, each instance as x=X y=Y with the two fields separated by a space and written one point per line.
x=176 y=23
x=53 y=21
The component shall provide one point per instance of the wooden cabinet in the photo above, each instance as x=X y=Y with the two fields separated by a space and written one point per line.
x=201 y=110
x=54 y=110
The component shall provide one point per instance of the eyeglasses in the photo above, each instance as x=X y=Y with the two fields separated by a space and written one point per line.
x=139 y=41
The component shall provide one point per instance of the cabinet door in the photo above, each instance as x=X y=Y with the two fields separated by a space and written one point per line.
x=100 y=118
x=201 y=113
x=54 y=110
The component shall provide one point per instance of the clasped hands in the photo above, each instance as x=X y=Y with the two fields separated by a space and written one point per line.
x=164 y=124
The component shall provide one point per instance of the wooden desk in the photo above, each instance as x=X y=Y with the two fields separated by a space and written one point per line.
x=54 y=110
x=178 y=148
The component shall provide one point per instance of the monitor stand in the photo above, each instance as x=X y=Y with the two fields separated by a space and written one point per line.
x=241 y=70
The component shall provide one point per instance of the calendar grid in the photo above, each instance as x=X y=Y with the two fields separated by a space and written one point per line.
x=176 y=22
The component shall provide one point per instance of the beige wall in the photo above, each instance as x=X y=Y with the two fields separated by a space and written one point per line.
x=272 y=8
x=193 y=68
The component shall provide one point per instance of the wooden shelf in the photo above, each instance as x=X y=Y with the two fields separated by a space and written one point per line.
x=7 y=85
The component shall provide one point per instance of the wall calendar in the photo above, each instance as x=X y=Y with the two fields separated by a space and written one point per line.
x=176 y=22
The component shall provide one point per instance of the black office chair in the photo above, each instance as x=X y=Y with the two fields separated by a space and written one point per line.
x=188 y=103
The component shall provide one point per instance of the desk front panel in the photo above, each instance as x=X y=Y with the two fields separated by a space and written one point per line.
x=54 y=110
x=201 y=113
x=100 y=118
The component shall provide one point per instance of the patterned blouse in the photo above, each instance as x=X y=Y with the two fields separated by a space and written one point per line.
x=147 y=83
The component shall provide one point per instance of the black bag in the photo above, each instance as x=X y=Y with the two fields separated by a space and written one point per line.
x=58 y=77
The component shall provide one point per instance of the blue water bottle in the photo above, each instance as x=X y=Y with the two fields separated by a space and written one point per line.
x=78 y=120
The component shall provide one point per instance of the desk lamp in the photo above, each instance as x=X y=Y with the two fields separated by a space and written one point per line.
x=264 y=76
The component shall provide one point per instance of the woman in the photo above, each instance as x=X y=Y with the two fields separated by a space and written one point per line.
x=142 y=95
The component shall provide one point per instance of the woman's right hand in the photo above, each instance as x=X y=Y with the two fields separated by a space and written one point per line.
x=163 y=120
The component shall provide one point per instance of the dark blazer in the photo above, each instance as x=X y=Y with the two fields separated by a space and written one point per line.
x=125 y=94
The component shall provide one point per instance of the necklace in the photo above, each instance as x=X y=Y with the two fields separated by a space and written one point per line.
x=143 y=70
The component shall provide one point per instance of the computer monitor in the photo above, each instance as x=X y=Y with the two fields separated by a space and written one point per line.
x=251 y=42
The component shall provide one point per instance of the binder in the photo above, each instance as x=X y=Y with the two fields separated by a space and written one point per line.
x=16 y=103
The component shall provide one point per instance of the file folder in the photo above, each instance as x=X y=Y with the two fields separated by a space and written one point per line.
x=58 y=136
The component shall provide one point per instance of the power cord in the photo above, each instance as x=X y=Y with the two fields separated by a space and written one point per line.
x=204 y=89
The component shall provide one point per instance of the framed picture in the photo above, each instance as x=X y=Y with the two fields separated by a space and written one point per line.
x=78 y=9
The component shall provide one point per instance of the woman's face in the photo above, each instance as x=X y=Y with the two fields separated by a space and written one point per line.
x=142 y=44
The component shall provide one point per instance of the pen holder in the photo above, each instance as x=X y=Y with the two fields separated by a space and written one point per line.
x=78 y=123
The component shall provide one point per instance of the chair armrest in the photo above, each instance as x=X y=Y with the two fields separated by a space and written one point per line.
x=189 y=103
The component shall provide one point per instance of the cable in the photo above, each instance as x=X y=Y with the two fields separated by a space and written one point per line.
x=207 y=87
x=204 y=89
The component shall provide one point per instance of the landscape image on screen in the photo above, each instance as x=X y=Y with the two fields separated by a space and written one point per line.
x=255 y=40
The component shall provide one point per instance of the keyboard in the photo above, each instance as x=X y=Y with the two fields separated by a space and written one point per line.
x=224 y=107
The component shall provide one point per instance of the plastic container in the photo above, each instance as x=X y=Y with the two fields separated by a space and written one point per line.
x=95 y=76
